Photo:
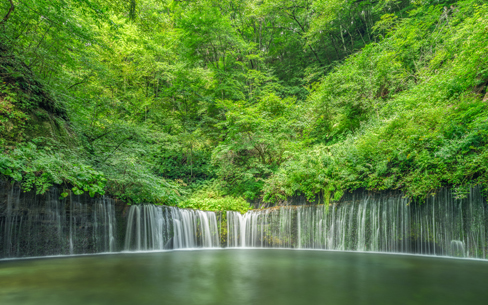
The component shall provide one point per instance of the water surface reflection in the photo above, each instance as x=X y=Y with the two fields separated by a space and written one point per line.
x=263 y=276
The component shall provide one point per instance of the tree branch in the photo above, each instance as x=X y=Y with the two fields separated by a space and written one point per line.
x=76 y=84
x=10 y=11
x=130 y=137
x=303 y=31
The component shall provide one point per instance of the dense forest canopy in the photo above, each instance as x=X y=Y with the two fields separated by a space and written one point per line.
x=209 y=103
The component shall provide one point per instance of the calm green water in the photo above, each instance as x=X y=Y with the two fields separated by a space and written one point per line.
x=244 y=277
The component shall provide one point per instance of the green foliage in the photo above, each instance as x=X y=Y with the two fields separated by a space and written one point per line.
x=209 y=199
x=12 y=120
x=263 y=98
x=407 y=113
x=40 y=168
x=258 y=138
x=183 y=158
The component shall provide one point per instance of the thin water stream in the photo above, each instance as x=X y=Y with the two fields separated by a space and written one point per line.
x=442 y=226
x=35 y=225
x=244 y=277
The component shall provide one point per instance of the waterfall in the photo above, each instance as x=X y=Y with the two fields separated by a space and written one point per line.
x=147 y=228
x=151 y=227
x=442 y=225
x=234 y=221
x=457 y=248
x=39 y=225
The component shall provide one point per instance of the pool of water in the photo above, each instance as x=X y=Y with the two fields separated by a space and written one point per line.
x=244 y=276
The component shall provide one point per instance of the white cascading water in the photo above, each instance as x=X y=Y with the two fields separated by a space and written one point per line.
x=441 y=226
x=39 y=225
x=151 y=227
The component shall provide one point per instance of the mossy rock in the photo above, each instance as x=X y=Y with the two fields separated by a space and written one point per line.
x=27 y=109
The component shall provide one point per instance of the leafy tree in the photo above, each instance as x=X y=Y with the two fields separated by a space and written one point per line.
x=178 y=102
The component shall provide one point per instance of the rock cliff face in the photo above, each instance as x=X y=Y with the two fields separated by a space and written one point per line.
x=27 y=110
x=378 y=222
x=40 y=225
